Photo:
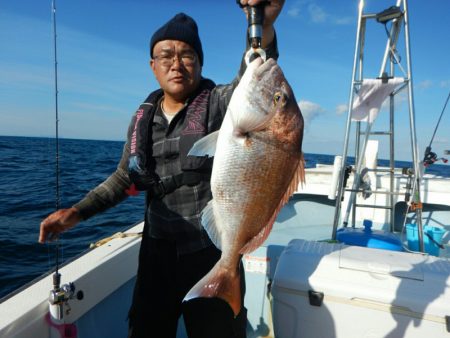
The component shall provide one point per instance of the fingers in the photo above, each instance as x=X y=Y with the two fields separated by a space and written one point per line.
x=56 y=223
x=50 y=227
x=271 y=10
x=278 y=3
x=251 y=2
x=42 y=234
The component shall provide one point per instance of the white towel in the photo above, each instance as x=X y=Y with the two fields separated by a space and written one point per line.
x=370 y=97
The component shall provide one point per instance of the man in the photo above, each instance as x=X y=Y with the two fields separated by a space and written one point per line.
x=175 y=250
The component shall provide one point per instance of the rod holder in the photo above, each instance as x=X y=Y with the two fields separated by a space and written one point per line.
x=391 y=13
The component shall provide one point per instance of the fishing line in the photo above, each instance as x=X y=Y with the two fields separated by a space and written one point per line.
x=439 y=121
x=57 y=192
x=431 y=157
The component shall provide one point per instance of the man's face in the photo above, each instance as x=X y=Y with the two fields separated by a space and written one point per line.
x=176 y=67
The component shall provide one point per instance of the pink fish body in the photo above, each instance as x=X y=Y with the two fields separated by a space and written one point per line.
x=258 y=164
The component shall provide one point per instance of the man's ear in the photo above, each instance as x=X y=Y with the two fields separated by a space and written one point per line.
x=152 y=65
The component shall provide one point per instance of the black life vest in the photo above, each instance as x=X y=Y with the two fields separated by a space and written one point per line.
x=194 y=169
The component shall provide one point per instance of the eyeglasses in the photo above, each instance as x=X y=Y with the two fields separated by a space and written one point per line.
x=167 y=59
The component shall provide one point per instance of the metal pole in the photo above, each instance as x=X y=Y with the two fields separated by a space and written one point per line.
x=347 y=132
x=357 y=176
x=391 y=158
x=415 y=155
x=396 y=30
x=388 y=44
x=357 y=147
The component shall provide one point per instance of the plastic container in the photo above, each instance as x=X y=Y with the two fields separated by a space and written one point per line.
x=367 y=237
x=429 y=245
x=334 y=290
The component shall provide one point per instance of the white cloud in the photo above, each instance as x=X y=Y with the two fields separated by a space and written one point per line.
x=295 y=8
x=84 y=107
x=341 y=109
x=346 y=20
x=445 y=84
x=310 y=111
x=26 y=75
x=294 y=12
x=99 y=81
x=317 y=14
x=425 y=84
x=441 y=141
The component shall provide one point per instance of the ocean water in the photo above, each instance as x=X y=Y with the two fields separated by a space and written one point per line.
x=28 y=195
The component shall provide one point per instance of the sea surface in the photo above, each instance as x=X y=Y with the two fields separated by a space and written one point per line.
x=28 y=195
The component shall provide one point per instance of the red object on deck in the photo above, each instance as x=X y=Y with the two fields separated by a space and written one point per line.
x=65 y=330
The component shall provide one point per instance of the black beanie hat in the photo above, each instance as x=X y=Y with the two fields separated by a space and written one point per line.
x=183 y=28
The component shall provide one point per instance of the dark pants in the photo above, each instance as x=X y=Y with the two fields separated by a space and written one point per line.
x=163 y=279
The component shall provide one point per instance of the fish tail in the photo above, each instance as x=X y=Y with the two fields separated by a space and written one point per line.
x=219 y=283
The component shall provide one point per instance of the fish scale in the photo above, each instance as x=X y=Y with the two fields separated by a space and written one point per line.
x=258 y=164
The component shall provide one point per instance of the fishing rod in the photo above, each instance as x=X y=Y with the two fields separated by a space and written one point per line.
x=431 y=157
x=59 y=295
x=57 y=275
x=255 y=29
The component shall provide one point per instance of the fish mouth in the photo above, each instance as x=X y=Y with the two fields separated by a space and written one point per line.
x=257 y=62
x=269 y=72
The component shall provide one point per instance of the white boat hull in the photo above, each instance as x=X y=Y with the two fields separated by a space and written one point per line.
x=103 y=275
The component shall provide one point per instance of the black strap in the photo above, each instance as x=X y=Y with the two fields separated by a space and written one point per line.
x=171 y=183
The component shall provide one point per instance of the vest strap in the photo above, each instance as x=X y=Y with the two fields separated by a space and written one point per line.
x=171 y=183
x=140 y=133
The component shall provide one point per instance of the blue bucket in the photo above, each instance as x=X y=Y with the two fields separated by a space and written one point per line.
x=369 y=238
x=430 y=246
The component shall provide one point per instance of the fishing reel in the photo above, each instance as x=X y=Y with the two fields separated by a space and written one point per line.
x=431 y=157
x=59 y=297
x=255 y=30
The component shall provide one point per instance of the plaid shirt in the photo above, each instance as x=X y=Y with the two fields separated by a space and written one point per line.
x=177 y=216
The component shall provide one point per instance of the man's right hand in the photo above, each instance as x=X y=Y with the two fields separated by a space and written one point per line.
x=59 y=221
x=271 y=12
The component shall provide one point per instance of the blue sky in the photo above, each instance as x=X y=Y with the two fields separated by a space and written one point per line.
x=104 y=74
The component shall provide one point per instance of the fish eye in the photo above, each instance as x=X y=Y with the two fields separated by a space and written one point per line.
x=277 y=97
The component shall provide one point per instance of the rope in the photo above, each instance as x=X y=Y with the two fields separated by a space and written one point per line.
x=116 y=235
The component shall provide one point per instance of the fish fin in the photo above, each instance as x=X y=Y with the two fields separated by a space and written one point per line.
x=301 y=170
x=245 y=123
x=219 y=283
x=210 y=225
x=298 y=177
x=206 y=146
x=259 y=239
x=243 y=114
